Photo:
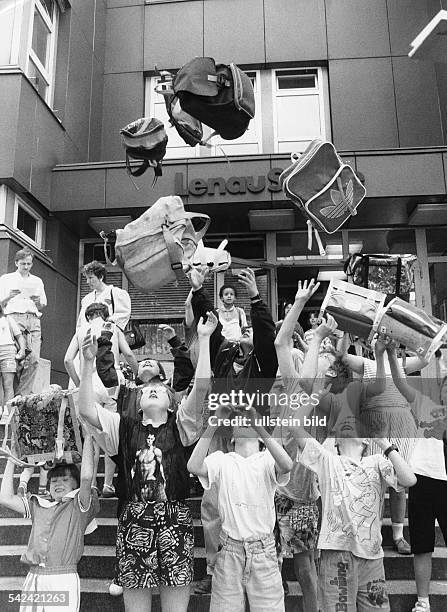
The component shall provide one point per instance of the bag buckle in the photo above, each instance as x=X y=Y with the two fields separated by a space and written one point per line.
x=177 y=266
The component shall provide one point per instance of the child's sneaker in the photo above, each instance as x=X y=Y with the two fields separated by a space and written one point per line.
x=421 y=606
x=108 y=491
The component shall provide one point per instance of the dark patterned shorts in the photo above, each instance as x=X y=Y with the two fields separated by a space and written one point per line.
x=154 y=546
x=298 y=525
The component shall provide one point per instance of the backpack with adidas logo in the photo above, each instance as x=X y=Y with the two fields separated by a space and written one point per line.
x=145 y=139
x=219 y=96
x=326 y=190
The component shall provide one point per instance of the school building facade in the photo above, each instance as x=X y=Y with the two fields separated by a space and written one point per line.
x=73 y=72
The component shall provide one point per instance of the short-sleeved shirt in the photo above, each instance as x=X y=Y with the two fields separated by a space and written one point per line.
x=28 y=286
x=145 y=474
x=8 y=331
x=352 y=494
x=246 y=490
x=429 y=457
x=57 y=534
x=116 y=299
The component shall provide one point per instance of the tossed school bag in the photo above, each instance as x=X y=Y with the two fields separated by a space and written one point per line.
x=146 y=140
x=413 y=328
x=44 y=428
x=390 y=274
x=157 y=248
x=325 y=189
x=220 y=96
x=357 y=310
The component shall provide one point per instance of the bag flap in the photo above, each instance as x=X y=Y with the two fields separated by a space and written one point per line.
x=168 y=209
x=198 y=77
x=142 y=127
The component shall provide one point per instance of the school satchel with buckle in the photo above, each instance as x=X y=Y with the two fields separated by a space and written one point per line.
x=218 y=95
x=146 y=140
x=44 y=428
x=326 y=190
x=155 y=249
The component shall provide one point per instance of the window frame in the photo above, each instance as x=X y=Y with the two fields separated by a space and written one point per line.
x=47 y=72
x=20 y=203
x=322 y=90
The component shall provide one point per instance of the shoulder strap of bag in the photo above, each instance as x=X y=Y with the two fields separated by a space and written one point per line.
x=137 y=171
x=175 y=252
x=112 y=300
x=398 y=275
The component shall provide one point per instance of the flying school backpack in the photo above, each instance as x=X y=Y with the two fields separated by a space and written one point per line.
x=158 y=247
x=218 y=95
x=145 y=139
x=326 y=190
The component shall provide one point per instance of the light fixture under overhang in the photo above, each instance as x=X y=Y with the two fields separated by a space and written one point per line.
x=107 y=224
x=431 y=42
x=429 y=214
x=271 y=219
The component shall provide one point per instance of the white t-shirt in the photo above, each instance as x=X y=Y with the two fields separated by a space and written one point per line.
x=28 y=286
x=119 y=306
x=8 y=325
x=352 y=495
x=428 y=457
x=246 y=489
x=232 y=321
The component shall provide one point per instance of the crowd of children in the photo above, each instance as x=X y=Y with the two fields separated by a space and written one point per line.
x=310 y=488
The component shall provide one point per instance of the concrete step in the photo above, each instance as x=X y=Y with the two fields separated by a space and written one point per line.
x=16 y=530
x=95 y=597
x=98 y=562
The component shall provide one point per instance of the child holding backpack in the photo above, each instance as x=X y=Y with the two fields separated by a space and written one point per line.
x=246 y=479
x=56 y=542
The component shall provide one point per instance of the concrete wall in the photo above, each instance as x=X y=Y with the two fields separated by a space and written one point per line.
x=379 y=98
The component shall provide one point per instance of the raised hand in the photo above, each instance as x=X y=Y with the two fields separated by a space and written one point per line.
x=89 y=346
x=305 y=290
x=197 y=276
x=167 y=331
x=205 y=329
x=326 y=328
x=247 y=278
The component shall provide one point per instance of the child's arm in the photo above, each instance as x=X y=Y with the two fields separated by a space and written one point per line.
x=282 y=342
x=87 y=470
x=379 y=384
x=8 y=499
x=283 y=463
x=87 y=406
x=400 y=381
x=196 y=464
x=405 y=475
x=72 y=351
x=189 y=314
x=125 y=350
x=190 y=414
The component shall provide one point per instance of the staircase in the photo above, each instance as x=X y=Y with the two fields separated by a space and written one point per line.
x=96 y=568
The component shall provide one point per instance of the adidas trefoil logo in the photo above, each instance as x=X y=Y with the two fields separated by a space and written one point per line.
x=342 y=202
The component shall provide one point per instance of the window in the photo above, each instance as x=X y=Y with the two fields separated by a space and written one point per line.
x=299 y=108
x=248 y=143
x=28 y=221
x=42 y=47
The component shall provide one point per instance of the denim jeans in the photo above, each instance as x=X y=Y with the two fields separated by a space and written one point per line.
x=247 y=568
